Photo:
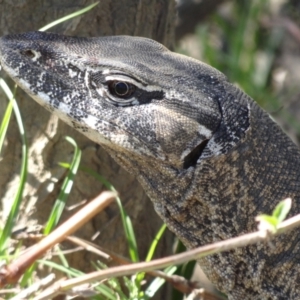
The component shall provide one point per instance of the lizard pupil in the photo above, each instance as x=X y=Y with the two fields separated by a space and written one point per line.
x=121 y=89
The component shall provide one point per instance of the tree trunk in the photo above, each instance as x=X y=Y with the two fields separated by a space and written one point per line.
x=45 y=133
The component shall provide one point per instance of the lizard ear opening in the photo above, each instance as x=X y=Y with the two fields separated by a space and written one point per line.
x=192 y=158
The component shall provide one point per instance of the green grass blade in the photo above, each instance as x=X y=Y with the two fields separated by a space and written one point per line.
x=131 y=240
x=155 y=242
x=62 y=257
x=282 y=209
x=127 y=225
x=73 y=15
x=10 y=222
x=70 y=272
x=23 y=173
x=28 y=277
x=113 y=283
x=7 y=114
x=156 y=284
x=140 y=276
x=65 y=189
x=4 y=123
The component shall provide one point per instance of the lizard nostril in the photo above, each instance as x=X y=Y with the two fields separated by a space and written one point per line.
x=29 y=53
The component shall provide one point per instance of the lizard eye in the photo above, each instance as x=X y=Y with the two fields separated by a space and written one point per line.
x=121 y=89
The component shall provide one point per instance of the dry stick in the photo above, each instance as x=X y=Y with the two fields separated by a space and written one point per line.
x=230 y=244
x=178 y=282
x=91 y=247
x=83 y=245
x=11 y=273
x=26 y=293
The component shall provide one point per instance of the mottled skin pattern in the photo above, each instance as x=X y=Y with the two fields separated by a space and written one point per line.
x=209 y=158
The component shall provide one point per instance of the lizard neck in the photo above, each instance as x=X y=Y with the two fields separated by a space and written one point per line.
x=207 y=203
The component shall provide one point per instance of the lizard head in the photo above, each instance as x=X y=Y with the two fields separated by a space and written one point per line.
x=130 y=94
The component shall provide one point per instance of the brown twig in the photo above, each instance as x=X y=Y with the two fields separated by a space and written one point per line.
x=233 y=243
x=178 y=282
x=11 y=273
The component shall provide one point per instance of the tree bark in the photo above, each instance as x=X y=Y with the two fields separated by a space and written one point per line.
x=45 y=133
